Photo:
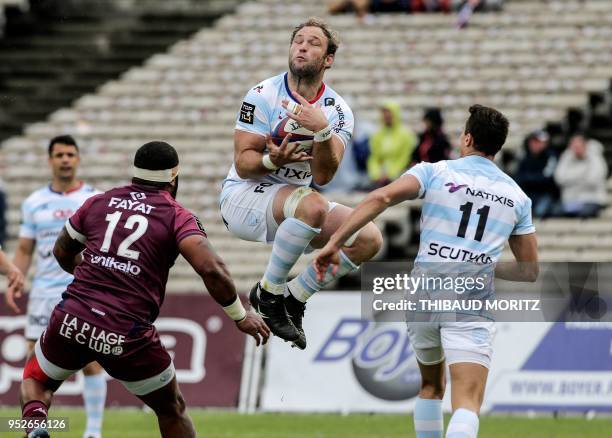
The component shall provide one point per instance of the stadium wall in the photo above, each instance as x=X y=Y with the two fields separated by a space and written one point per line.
x=350 y=365
x=205 y=345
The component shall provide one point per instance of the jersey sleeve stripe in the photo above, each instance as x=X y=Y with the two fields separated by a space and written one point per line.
x=27 y=231
x=520 y=231
x=341 y=139
x=250 y=131
x=74 y=233
x=190 y=233
x=419 y=178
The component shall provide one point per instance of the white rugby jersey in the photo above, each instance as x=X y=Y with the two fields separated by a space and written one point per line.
x=470 y=210
x=44 y=214
x=262 y=110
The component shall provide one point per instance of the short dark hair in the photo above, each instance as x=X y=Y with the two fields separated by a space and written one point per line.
x=488 y=127
x=332 y=36
x=581 y=133
x=62 y=139
x=434 y=116
x=156 y=155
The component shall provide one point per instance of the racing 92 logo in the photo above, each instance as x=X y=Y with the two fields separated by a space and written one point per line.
x=62 y=214
x=381 y=356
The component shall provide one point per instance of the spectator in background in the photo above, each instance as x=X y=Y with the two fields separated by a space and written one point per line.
x=363 y=131
x=383 y=6
x=359 y=7
x=431 y=5
x=352 y=172
x=535 y=173
x=466 y=11
x=581 y=175
x=391 y=147
x=433 y=143
x=362 y=8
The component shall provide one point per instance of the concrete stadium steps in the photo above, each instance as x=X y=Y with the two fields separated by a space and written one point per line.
x=54 y=53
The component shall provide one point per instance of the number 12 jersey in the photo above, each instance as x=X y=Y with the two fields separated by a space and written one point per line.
x=131 y=236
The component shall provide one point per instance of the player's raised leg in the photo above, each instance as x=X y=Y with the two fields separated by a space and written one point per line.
x=364 y=245
x=469 y=380
x=168 y=404
x=94 y=396
x=301 y=212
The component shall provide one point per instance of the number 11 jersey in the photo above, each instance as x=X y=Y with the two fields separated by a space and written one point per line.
x=470 y=209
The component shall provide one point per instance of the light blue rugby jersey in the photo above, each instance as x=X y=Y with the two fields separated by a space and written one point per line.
x=470 y=210
x=44 y=214
x=262 y=110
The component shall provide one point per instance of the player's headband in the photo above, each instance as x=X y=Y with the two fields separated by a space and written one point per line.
x=164 y=175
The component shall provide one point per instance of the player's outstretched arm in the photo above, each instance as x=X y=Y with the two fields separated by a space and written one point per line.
x=197 y=251
x=67 y=251
x=15 y=281
x=524 y=247
x=404 y=188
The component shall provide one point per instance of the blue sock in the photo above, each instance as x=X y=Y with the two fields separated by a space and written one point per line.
x=305 y=285
x=428 y=419
x=94 y=395
x=292 y=238
x=463 y=424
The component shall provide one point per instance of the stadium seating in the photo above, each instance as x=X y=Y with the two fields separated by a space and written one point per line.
x=532 y=61
x=57 y=50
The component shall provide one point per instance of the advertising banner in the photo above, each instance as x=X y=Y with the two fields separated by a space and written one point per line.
x=352 y=364
x=206 y=347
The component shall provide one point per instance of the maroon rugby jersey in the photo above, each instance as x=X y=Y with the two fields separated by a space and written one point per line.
x=132 y=235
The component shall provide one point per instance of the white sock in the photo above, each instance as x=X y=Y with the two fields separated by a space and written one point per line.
x=428 y=418
x=306 y=284
x=94 y=395
x=463 y=424
x=292 y=238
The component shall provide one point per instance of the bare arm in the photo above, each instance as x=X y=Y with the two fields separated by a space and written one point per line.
x=201 y=256
x=15 y=281
x=402 y=189
x=524 y=247
x=326 y=157
x=67 y=251
x=21 y=262
x=23 y=254
x=205 y=261
x=249 y=151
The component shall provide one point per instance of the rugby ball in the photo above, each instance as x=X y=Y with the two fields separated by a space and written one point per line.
x=300 y=134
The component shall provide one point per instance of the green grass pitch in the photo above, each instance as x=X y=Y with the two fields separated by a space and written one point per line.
x=129 y=423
